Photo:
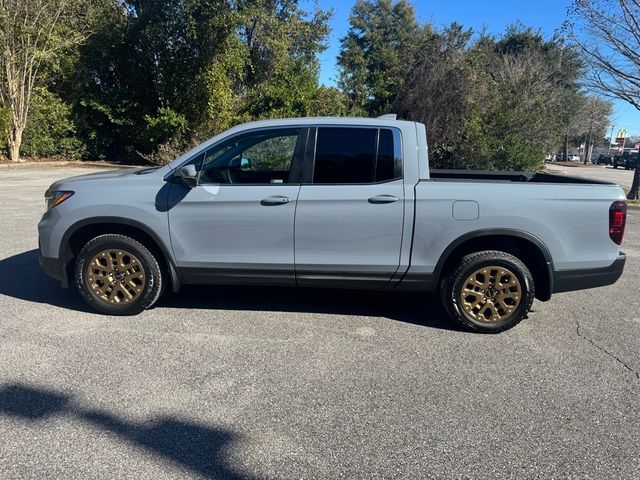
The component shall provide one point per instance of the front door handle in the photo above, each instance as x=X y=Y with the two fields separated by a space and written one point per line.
x=275 y=200
x=378 y=199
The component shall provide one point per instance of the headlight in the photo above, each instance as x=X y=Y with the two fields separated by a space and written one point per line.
x=56 y=198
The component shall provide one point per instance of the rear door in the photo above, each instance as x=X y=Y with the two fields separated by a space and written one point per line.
x=350 y=212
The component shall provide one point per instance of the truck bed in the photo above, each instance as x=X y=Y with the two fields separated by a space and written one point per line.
x=515 y=177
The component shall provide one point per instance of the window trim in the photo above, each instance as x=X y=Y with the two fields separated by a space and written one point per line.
x=311 y=150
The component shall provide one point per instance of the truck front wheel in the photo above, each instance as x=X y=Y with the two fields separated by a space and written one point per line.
x=117 y=275
x=488 y=292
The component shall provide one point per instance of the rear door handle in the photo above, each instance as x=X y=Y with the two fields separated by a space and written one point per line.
x=378 y=199
x=275 y=200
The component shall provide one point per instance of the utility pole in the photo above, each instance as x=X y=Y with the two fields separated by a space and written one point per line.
x=610 y=140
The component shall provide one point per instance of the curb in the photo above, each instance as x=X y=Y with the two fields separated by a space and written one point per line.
x=64 y=164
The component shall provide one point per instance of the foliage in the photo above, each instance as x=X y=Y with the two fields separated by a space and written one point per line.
x=438 y=91
x=529 y=90
x=493 y=103
x=168 y=72
x=51 y=130
x=35 y=35
x=380 y=43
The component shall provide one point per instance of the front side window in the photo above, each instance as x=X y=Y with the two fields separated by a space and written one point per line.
x=262 y=157
x=356 y=155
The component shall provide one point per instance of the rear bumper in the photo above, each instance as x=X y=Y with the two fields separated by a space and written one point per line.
x=56 y=268
x=569 y=280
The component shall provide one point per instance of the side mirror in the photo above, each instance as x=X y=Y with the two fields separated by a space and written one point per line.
x=245 y=164
x=186 y=176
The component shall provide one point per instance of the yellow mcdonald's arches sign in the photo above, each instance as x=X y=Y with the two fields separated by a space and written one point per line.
x=622 y=133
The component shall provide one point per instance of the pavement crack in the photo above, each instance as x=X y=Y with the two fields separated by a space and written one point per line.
x=604 y=350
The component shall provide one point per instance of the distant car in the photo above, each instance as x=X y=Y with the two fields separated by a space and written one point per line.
x=604 y=160
x=627 y=160
x=558 y=157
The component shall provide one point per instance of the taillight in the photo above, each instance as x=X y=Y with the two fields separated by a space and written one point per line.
x=617 y=220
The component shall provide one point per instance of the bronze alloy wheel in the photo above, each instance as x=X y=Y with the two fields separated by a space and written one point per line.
x=490 y=294
x=115 y=276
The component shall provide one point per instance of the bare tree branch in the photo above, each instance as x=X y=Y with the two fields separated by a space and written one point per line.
x=607 y=33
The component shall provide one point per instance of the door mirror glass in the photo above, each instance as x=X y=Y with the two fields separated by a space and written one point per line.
x=245 y=164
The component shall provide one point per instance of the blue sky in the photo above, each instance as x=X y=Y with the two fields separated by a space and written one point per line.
x=494 y=15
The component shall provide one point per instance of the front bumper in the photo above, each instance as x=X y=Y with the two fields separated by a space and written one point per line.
x=569 y=280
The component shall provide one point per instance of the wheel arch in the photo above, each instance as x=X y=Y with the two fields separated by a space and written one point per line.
x=527 y=247
x=81 y=232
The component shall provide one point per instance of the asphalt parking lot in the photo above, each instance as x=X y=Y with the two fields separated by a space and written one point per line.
x=620 y=176
x=285 y=383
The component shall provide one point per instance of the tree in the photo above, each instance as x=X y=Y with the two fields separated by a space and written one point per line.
x=281 y=75
x=593 y=120
x=163 y=74
x=607 y=33
x=34 y=34
x=493 y=103
x=376 y=52
x=438 y=89
x=51 y=130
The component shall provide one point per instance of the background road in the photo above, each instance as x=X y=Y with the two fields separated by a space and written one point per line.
x=285 y=383
x=620 y=176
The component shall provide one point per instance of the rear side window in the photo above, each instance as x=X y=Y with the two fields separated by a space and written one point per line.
x=356 y=155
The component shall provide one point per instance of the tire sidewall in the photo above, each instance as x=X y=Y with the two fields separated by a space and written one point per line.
x=149 y=264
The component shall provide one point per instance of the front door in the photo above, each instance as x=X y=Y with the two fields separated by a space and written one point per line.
x=236 y=225
x=349 y=218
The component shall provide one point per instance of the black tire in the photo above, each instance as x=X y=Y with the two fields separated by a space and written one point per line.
x=452 y=287
x=150 y=288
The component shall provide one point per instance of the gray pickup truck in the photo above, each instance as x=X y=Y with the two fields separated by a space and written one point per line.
x=332 y=202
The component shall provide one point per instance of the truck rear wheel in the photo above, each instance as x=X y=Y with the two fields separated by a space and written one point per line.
x=488 y=292
x=117 y=275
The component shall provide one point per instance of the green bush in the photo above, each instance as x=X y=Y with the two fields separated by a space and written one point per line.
x=51 y=131
x=5 y=124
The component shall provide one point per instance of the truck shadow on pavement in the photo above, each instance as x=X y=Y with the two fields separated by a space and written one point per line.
x=21 y=277
x=415 y=308
x=199 y=448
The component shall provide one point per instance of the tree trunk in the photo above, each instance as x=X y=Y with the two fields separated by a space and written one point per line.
x=587 y=153
x=14 y=142
x=633 y=193
x=565 y=152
